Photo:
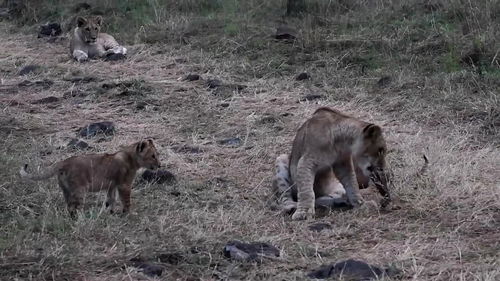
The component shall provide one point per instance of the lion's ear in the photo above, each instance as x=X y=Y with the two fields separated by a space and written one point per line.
x=98 y=20
x=372 y=131
x=81 y=21
x=140 y=146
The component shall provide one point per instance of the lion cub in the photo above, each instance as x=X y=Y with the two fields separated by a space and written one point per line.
x=333 y=155
x=87 y=40
x=94 y=172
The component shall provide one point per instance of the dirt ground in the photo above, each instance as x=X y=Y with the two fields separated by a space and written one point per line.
x=445 y=226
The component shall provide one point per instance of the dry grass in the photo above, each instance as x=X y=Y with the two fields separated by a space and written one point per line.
x=447 y=227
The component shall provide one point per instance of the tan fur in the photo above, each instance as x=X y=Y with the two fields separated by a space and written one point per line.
x=95 y=172
x=331 y=152
x=88 y=41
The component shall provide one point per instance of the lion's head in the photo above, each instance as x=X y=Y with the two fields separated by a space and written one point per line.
x=89 y=28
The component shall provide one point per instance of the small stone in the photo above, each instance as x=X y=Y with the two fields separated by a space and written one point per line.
x=115 y=57
x=285 y=33
x=254 y=251
x=150 y=269
x=50 y=29
x=158 y=176
x=171 y=258
x=384 y=81
x=187 y=149
x=303 y=76
x=81 y=6
x=349 y=270
x=140 y=105
x=50 y=99
x=106 y=128
x=214 y=83
x=192 y=77
x=78 y=144
x=32 y=68
x=45 y=83
x=318 y=227
x=230 y=141
x=312 y=97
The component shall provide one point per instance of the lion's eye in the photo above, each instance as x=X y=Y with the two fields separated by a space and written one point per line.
x=88 y=29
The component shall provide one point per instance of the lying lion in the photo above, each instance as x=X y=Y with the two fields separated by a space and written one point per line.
x=95 y=172
x=87 y=40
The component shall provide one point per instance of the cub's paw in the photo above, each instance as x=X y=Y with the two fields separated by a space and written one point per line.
x=356 y=202
x=303 y=215
x=288 y=207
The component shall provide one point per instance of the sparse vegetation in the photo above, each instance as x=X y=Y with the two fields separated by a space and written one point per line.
x=426 y=71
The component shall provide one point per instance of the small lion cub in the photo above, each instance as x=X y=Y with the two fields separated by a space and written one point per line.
x=95 y=172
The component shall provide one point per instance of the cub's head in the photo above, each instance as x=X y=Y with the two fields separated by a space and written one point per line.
x=371 y=159
x=147 y=155
x=89 y=28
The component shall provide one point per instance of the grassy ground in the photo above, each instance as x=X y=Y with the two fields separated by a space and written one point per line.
x=447 y=226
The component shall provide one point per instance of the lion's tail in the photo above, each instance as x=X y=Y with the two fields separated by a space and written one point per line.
x=425 y=167
x=42 y=176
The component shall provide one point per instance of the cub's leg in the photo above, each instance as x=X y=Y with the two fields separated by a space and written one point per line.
x=306 y=170
x=344 y=170
x=124 y=192
x=282 y=186
x=80 y=55
x=111 y=199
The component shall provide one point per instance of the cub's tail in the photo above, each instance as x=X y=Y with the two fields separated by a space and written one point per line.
x=44 y=175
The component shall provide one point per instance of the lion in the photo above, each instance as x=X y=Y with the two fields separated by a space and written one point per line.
x=333 y=156
x=95 y=172
x=88 y=42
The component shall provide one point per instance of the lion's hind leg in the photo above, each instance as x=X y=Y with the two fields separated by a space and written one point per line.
x=282 y=186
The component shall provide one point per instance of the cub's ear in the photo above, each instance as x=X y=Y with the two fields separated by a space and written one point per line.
x=81 y=21
x=140 y=146
x=150 y=141
x=372 y=131
x=98 y=20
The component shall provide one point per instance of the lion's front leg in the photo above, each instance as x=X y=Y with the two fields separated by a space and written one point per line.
x=305 y=189
x=80 y=56
x=344 y=170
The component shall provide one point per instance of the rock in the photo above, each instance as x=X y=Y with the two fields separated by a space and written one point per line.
x=81 y=79
x=318 y=227
x=285 y=33
x=140 y=105
x=150 y=269
x=171 y=258
x=99 y=128
x=312 y=97
x=268 y=119
x=214 y=83
x=187 y=149
x=31 y=68
x=115 y=57
x=158 y=176
x=78 y=144
x=50 y=29
x=81 y=6
x=230 y=141
x=384 y=81
x=192 y=77
x=45 y=83
x=50 y=99
x=254 y=251
x=303 y=76
x=350 y=270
